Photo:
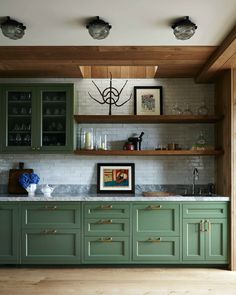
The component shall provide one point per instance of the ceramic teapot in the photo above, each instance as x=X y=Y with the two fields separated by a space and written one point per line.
x=47 y=190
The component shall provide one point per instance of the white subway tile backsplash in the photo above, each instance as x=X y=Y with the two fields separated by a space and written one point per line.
x=71 y=169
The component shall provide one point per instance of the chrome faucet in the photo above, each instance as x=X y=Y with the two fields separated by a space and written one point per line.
x=195 y=177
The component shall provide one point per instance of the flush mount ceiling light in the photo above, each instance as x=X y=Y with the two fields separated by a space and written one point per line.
x=98 y=28
x=13 y=29
x=184 y=29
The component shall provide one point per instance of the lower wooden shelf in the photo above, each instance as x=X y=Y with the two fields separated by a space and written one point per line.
x=149 y=153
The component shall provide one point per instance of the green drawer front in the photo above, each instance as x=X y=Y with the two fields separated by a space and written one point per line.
x=106 y=249
x=154 y=249
x=156 y=218
x=107 y=227
x=50 y=246
x=40 y=215
x=203 y=210
x=106 y=210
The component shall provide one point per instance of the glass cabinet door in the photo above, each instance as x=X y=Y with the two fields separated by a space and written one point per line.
x=18 y=119
x=56 y=118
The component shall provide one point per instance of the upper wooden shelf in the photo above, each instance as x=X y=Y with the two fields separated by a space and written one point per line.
x=116 y=119
x=149 y=153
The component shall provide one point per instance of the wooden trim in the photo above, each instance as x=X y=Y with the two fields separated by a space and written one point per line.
x=120 y=119
x=149 y=153
x=221 y=55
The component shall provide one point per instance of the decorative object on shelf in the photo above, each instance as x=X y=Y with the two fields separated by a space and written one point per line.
x=47 y=190
x=86 y=139
x=137 y=141
x=128 y=146
x=98 y=28
x=172 y=146
x=176 y=110
x=116 y=178
x=203 y=109
x=201 y=143
x=100 y=141
x=148 y=100
x=184 y=29
x=110 y=95
x=29 y=182
x=187 y=111
x=12 y=29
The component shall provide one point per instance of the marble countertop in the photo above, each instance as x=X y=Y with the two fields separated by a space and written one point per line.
x=103 y=197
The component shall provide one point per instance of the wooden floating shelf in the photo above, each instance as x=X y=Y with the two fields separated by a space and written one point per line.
x=149 y=153
x=119 y=119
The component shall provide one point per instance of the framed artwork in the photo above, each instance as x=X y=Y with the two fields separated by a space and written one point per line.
x=148 y=100
x=116 y=178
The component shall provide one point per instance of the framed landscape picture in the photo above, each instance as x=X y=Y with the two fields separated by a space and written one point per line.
x=148 y=100
x=115 y=178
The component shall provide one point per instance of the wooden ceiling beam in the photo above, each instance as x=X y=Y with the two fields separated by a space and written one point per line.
x=220 y=57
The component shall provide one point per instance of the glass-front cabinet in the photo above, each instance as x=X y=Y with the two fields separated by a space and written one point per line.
x=38 y=117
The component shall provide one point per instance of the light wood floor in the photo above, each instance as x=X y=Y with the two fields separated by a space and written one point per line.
x=116 y=281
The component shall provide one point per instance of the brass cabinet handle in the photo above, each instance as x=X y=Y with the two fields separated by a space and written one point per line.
x=49 y=232
x=153 y=207
x=107 y=207
x=109 y=221
x=154 y=240
x=202 y=225
x=50 y=208
x=207 y=225
x=105 y=240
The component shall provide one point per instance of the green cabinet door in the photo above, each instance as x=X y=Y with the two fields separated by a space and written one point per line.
x=50 y=245
x=156 y=219
x=106 y=249
x=216 y=240
x=37 y=117
x=193 y=240
x=9 y=234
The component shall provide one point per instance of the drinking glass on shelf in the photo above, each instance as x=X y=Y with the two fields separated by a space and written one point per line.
x=23 y=111
x=176 y=110
x=18 y=139
x=203 y=109
x=187 y=110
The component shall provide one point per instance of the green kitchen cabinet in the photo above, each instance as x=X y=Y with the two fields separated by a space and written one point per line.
x=37 y=118
x=50 y=246
x=106 y=249
x=9 y=233
x=205 y=238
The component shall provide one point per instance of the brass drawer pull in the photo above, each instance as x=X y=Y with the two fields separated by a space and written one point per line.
x=50 y=208
x=106 y=240
x=109 y=221
x=106 y=207
x=154 y=240
x=202 y=225
x=153 y=207
x=207 y=226
x=49 y=232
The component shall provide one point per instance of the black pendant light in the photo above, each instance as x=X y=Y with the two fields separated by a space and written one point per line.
x=184 y=29
x=98 y=28
x=13 y=29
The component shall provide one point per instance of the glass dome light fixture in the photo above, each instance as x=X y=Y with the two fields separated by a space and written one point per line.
x=184 y=29
x=98 y=28
x=13 y=29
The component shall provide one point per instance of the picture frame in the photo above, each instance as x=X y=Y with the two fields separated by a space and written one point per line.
x=148 y=100
x=116 y=178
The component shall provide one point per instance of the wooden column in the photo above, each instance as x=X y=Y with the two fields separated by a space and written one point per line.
x=225 y=104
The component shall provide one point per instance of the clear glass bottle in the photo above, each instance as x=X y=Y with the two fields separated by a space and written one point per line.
x=101 y=141
x=86 y=139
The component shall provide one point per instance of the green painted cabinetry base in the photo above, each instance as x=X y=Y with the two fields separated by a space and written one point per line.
x=114 y=233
